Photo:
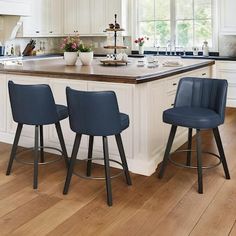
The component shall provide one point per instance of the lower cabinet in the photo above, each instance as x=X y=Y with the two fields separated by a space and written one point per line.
x=227 y=70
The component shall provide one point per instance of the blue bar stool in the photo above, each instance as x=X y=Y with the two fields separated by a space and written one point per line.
x=35 y=105
x=96 y=114
x=199 y=104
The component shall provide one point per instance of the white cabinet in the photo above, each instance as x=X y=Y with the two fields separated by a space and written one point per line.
x=85 y=17
x=227 y=70
x=227 y=10
x=46 y=19
x=77 y=17
x=15 y=7
x=3 y=102
x=98 y=16
x=91 y=17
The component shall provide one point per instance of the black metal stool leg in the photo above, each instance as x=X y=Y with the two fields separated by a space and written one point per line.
x=221 y=152
x=190 y=133
x=123 y=158
x=36 y=156
x=72 y=162
x=41 y=145
x=14 y=148
x=90 y=154
x=107 y=171
x=62 y=143
x=167 y=151
x=199 y=162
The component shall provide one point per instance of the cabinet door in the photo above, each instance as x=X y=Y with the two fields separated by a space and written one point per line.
x=37 y=24
x=70 y=16
x=227 y=17
x=84 y=17
x=98 y=16
x=55 y=14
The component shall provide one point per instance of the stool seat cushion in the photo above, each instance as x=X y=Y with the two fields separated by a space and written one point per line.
x=192 y=117
x=62 y=111
x=124 y=121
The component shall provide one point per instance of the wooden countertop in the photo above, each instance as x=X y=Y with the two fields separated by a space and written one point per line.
x=97 y=72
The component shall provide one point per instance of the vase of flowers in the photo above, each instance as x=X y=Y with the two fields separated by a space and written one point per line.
x=141 y=42
x=85 y=54
x=70 y=45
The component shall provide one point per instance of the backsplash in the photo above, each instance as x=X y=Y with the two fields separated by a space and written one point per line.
x=227 y=45
x=52 y=45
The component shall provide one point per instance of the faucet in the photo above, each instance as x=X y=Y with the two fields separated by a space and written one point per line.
x=168 y=46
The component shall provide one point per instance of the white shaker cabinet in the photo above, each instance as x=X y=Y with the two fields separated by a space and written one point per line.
x=227 y=10
x=98 y=17
x=227 y=70
x=46 y=19
x=77 y=17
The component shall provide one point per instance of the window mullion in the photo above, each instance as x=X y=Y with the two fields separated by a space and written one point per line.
x=172 y=21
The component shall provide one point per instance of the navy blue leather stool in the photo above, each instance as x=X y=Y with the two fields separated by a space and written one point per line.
x=35 y=105
x=199 y=104
x=96 y=114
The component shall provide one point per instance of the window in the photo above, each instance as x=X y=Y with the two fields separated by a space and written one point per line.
x=188 y=23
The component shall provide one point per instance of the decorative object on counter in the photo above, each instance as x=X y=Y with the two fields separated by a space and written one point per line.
x=195 y=51
x=205 y=49
x=171 y=63
x=141 y=42
x=29 y=48
x=70 y=45
x=85 y=54
x=115 y=28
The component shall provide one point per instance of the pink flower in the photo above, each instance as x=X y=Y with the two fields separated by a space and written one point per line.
x=63 y=46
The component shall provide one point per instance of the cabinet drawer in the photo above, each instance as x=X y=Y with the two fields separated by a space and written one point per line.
x=172 y=85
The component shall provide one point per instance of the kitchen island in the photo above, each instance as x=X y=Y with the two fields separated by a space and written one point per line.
x=143 y=93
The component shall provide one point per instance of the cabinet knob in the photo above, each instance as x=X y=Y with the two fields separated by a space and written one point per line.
x=203 y=74
x=37 y=32
x=172 y=104
x=50 y=32
x=174 y=84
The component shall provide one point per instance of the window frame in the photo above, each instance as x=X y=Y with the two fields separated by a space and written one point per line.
x=215 y=25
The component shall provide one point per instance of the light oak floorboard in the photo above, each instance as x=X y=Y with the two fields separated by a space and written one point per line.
x=170 y=206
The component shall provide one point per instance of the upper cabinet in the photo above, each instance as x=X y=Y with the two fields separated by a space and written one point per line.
x=86 y=17
x=68 y=17
x=15 y=7
x=227 y=17
x=46 y=19
x=91 y=17
x=77 y=17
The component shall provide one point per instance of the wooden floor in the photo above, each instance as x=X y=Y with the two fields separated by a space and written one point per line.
x=151 y=206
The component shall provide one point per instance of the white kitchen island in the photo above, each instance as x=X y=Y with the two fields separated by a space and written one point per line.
x=143 y=93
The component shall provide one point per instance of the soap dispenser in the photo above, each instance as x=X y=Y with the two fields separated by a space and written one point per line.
x=205 y=49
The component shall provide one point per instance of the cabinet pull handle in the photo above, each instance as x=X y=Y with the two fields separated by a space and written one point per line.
x=37 y=32
x=172 y=104
x=204 y=74
x=50 y=32
x=174 y=84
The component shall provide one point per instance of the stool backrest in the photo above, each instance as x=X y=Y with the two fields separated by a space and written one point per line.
x=32 y=104
x=204 y=93
x=93 y=113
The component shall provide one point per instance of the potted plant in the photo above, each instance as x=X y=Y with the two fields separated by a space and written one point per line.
x=140 y=42
x=85 y=54
x=70 y=45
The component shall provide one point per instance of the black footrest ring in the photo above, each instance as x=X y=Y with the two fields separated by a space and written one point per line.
x=39 y=163
x=99 y=177
x=194 y=167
